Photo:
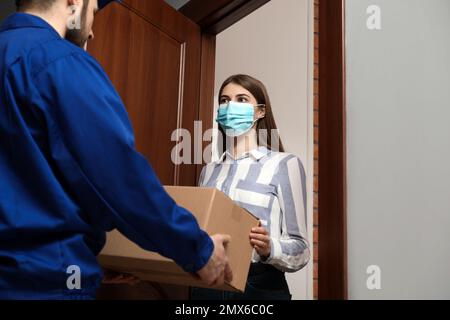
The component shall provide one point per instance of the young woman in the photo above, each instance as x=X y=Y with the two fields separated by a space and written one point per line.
x=257 y=174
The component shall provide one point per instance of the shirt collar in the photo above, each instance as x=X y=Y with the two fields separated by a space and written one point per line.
x=25 y=20
x=257 y=154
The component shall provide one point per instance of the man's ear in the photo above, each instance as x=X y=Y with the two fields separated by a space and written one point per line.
x=74 y=14
x=71 y=3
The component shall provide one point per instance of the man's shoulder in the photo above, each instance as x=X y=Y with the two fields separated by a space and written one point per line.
x=46 y=53
x=38 y=49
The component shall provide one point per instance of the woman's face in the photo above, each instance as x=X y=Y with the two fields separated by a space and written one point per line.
x=237 y=93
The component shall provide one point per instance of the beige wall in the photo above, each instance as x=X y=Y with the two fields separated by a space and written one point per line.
x=275 y=45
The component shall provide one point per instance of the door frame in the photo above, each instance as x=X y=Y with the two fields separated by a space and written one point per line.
x=332 y=152
x=218 y=15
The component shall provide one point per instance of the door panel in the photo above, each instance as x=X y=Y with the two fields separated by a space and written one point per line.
x=152 y=55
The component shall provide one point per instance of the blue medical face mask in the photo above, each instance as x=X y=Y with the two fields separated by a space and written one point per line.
x=236 y=118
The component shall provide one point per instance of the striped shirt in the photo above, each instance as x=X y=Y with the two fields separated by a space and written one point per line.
x=271 y=185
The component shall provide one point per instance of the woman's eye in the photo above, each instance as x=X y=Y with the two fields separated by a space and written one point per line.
x=242 y=99
x=223 y=101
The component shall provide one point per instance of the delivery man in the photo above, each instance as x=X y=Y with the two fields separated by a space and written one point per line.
x=69 y=170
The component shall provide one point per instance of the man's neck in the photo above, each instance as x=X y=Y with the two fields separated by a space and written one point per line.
x=52 y=18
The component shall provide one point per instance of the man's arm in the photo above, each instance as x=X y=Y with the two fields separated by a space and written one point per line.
x=92 y=145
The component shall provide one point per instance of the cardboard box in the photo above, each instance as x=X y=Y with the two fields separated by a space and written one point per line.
x=215 y=213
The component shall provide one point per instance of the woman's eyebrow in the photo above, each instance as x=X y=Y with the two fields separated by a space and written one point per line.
x=243 y=95
x=224 y=96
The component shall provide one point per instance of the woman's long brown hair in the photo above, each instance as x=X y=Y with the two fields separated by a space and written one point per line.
x=265 y=125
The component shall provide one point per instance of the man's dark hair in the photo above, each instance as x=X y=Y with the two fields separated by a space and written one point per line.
x=40 y=4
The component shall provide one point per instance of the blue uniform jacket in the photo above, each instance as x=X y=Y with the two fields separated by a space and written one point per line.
x=69 y=171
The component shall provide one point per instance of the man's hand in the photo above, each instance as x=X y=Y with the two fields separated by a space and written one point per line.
x=217 y=270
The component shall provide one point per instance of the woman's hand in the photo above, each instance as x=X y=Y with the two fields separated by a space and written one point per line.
x=112 y=277
x=260 y=240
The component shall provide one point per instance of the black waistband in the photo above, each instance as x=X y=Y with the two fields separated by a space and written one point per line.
x=259 y=268
x=267 y=277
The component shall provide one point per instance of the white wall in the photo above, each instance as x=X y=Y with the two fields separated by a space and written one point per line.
x=177 y=4
x=398 y=112
x=275 y=45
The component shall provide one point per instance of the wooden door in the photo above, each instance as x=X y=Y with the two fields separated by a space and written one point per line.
x=152 y=55
x=151 y=52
